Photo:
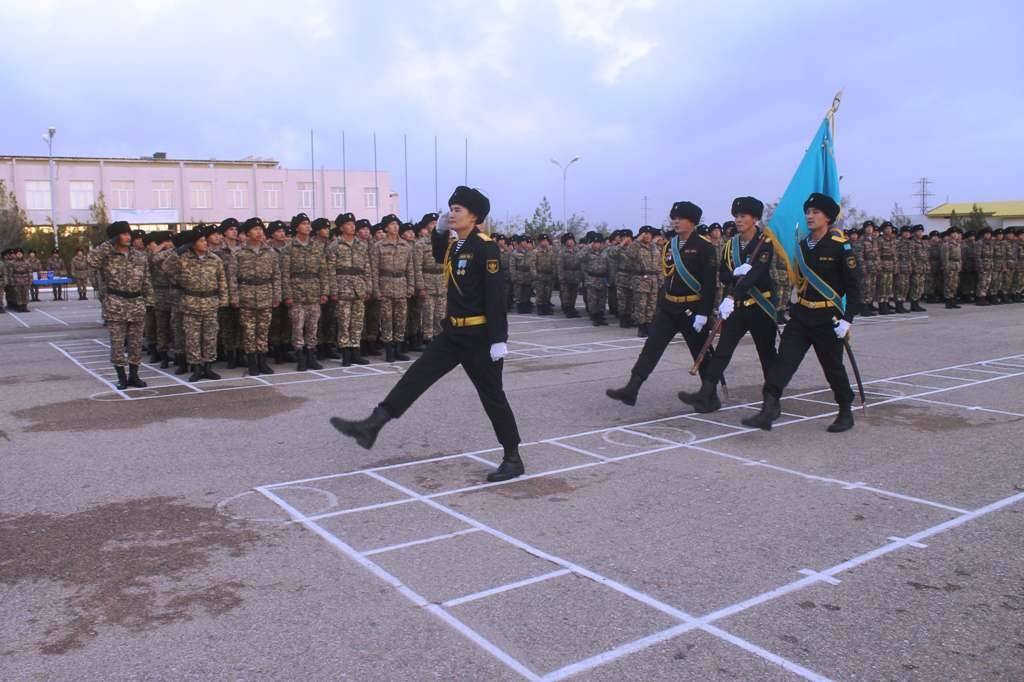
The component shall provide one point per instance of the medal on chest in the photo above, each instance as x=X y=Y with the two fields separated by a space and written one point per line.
x=460 y=267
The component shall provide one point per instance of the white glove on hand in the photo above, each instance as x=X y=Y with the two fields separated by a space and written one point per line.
x=841 y=328
x=742 y=270
x=726 y=307
x=442 y=223
x=498 y=351
x=794 y=296
x=698 y=322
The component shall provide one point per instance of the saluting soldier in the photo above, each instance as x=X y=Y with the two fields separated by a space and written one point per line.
x=568 y=274
x=228 y=324
x=280 y=325
x=886 y=269
x=411 y=340
x=327 y=329
x=430 y=281
x=305 y=287
x=746 y=306
x=819 y=318
x=475 y=333
x=394 y=278
x=80 y=272
x=542 y=273
x=686 y=298
x=258 y=271
x=595 y=267
x=644 y=263
x=125 y=272
x=162 y=296
x=951 y=264
x=351 y=285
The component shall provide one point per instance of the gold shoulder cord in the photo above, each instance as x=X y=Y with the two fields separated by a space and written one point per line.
x=448 y=273
x=668 y=267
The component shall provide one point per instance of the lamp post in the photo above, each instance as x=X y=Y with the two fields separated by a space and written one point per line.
x=48 y=139
x=565 y=173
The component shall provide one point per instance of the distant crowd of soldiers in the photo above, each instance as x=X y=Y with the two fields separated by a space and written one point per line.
x=17 y=286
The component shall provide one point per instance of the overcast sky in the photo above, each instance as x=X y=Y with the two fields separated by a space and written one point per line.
x=664 y=98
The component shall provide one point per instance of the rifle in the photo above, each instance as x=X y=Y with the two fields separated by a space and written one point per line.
x=719 y=322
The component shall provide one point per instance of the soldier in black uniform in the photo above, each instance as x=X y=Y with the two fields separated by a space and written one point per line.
x=685 y=299
x=474 y=334
x=746 y=304
x=819 y=317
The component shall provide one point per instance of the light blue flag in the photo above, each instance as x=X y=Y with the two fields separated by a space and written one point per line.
x=817 y=172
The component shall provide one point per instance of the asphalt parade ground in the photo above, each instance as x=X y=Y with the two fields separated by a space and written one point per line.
x=223 y=530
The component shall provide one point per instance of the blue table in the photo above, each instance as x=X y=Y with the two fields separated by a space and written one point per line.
x=57 y=284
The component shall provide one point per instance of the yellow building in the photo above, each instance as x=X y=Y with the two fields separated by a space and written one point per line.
x=997 y=213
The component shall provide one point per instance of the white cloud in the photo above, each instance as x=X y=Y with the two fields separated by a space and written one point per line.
x=600 y=23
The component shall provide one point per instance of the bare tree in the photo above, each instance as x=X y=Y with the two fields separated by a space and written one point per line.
x=12 y=219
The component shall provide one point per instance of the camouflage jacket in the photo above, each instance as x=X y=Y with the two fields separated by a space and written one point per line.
x=19 y=273
x=904 y=255
x=968 y=257
x=983 y=254
x=595 y=267
x=258 y=275
x=645 y=263
x=56 y=263
x=304 y=276
x=350 y=264
x=919 y=255
x=202 y=285
x=869 y=252
x=80 y=267
x=34 y=265
x=887 y=252
x=391 y=269
x=542 y=263
x=935 y=255
x=227 y=256
x=163 y=289
x=999 y=254
x=951 y=256
x=520 y=266
x=429 y=273
x=125 y=277
x=567 y=265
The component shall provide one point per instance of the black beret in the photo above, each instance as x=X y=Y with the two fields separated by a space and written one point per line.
x=390 y=218
x=227 y=224
x=189 y=237
x=361 y=223
x=344 y=218
x=886 y=224
x=161 y=236
x=118 y=227
x=997 y=231
x=823 y=203
x=406 y=227
x=252 y=224
x=957 y=230
x=714 y=226
x=703 y=229
x=596 y=237
x=933 y=233
x=276 y=225
x=749 y=206
x=869 y=222
x=527 y=239
x=985 y=230
x=427 y=218
x=686 y=210
x=906 y=229
x=138 y=234
x=649 y=229
x=374 y=229
x=567 y=236
x=291 y=230
x=321 y=224
x=729 y=225
x=918 y=228
x=300 y=218
x=626 y=232
x=472 y=200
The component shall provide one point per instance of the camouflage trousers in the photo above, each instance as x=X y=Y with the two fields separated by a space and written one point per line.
x=200 y=337
x=596 y=299
x=328 y=334
x=371 y=320
x=917 y=287
x=434 y=308
x=149 y=328
x=883 y=285
x=349 y=315
x=304 y=318
x=255 y=323
x=1005 y=280
x=414 y=317
x=929 y=283
x=164 y=332
x=568 y=293
x=1018 y=280
x=230 y=329
x=936 y=282
x=643 y=306
x=901 y=286
x=280 y=328
x=20 y=294
x=952 y=282
x=82 y=287
x=125 y=342
x=968 y=282
x=524 y=290
x=867 y=288
x=542 y=287
x=178 y=323
x=392 y=318
x=984 y=282
x=624 y=296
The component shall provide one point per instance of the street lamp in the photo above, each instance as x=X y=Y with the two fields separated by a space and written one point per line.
x=48 y=139
x=565 y=172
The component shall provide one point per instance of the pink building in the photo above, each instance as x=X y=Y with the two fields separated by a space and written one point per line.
x=157 y=191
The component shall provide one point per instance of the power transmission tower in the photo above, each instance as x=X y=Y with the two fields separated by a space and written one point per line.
x=923 y=194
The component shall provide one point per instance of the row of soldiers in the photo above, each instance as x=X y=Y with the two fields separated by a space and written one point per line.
x=17 y=286
x=902 y=267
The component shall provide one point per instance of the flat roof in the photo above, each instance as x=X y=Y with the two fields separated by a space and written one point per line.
x=996 y=209
x=266 y=162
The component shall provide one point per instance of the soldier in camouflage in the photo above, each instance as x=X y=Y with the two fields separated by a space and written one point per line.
x=594 y=264
x=1018 y=267
x=645 y=263
x=920 y=267
x=327 y=330
x=969 y=273
x=258 y=273
x=162 y=296
x=886 y=269
x=80 y=273
x=999 y=265
x=413 y=340
x=904 y=268
x=430 y=281
x=622 y=270
x=951 y=263
x=394 y=280
x=279 y=342
x=542 y=273
x=520 y=272
x=569 y=274
x=55 y=264
x=348 y=262
x=126 y=273
x=19 y=276
x=227 y=316
x=34 y=265
x=371 y=314
x=305 y=287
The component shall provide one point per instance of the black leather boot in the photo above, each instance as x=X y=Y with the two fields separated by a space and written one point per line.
x=844 y=420
x=311 y=361
x=511 y=467
x=133 y=377
x=181 y=367
x=300 y=360
x=703 y=401
x=400 y=355
x=641 y=330
x=346 y=357
x=593 y=320
x=261 y=363
x=165 y=359
x=254 y=367
x=627 y=394
x=416 y=343
x=915 y=307
x=208 y=372
x=356 y=357
x=122 y=378
x=364 y=349
x=154 y=355
x=770 y=411
x=884 y=309
x=332 y=351
x=197 y=373
x=899 y=307
x=232 y=359
x=389 y=352
x=950 y=305
x=365 y=432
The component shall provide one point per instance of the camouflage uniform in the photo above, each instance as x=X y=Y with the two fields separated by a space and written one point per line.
x=280 y=332
x=999 y=267
x=393 y=277
x=80 y=271
x=521 y=279
x=904 y=269
x=645 y=262
x=1018 y=273
x=570 y=276
x=33 y=266
x=869 y=269
x=969 y=272
x=304 y=279
x=951 y=269
x=56 y=264
x=19 y=276
x=935 y=267
x=622 y=270
x=128 y=291
x=780 y=276
x=258 y=275
x=163 y=299
x=203 y=288
x=611 y=253
x=228 y=316
x=351 y=284
x=506 y=269
x=542 y=273
x=983 y=261
x=920 y=267
x=429 y=277
x=886 y=269
x=595 y=266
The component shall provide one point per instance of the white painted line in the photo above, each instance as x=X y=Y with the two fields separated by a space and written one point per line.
x=40 y=310
x=812 y=400
x=424 y=541
x=505 y=588
x=906 y=542
x=972 y=408
x=658 y=439
x=818 y=576
x=618 y=652
x=20 y=321
x=778 y=660
x=352 y=510
x=718 y=423
x=112 y=387
x=588 y=453
x=945 y=376
x=904 y=383
x=982 y=371
x=45 y=336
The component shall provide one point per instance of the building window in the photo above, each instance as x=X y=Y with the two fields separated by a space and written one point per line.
x=82 y=197
x=371 y=198
x=338 y=197
x=162 y=193
x=306 y=195
x=124 y=194
x=272 y=194
x=239 y=191
x=201 y=194
x=38 y=194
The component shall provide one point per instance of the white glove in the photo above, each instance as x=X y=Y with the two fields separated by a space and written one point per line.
x=726 y=307
x=698 y=322
x=742 y=270
x=794 y=296
x=442 y=223
x=841 y=328
x=498 y=351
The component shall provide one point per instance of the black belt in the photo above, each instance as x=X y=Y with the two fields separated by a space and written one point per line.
x=161 y=286
x=304 y=275
x=124 y=294
x=597 y=274
x=392 y=274
x=257 y=281
x=351 y=271
x=201 y=294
